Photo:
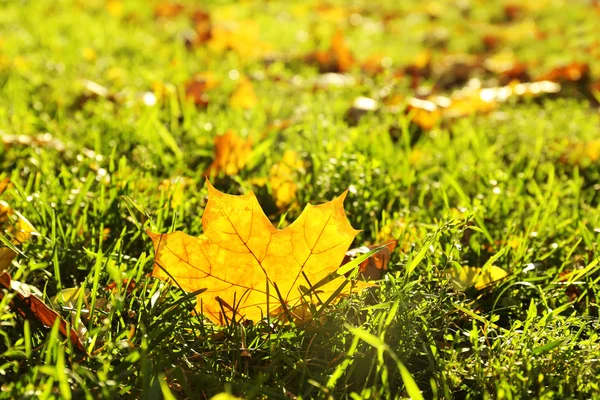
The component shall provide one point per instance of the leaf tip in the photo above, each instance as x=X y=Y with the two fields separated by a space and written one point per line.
x=155 y=237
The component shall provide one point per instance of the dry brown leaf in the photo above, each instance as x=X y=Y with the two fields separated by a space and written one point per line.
x=197 y=87
x=167 y=9
x=337 y=58
x=242 y=37
x=29 y=306
x=202 y=27
x=572 y=72
x=248 y=267
x=231 y=154
x=372 y=268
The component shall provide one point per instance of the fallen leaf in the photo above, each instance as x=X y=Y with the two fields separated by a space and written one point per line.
x=419 y=69
x=464 y=277
x=231 y=154
x=19 y=230
x=4 y=184
x=114 y=7
x=360 y=107
x=168 y=9
x=470 y=100
x=572 y=72
x=282 y=178
x=337 y=58
x=375 y=64
x=583 y=154
x=244 y=97
x=248 y=267
x=29 y=306
x=202 y=25
x=372 y=268
x=242 y=37
x=197 y=87
x=425 y=113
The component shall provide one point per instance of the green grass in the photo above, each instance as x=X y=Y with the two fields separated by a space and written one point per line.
x=460 y=194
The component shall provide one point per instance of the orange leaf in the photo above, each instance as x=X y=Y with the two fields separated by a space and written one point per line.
x=569 y=73
x=168 y=10
x=372 y=267
x=248 y=267
x=338 y=58
x=196 y=88
x=231 y=154
x=202 y=26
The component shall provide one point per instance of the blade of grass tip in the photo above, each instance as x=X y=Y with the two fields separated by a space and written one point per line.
x=79 y=306
x=61 y=375
x=332 y=297
x=223 y=313
x=55 y=252
x=341 y=368
x=164 y=388
x=27 y=338
x=96 y=278
x=589 y=269
x=479 y=318
x=353 y=264
x=411 y=386
x=168 y=139
x=547 y=347
x=310 y=285
x=282 y=220
x=282 y=302
x=268 y=316
x=174 y=309
x=30 y=206
x=493 y=259
x=421 y=254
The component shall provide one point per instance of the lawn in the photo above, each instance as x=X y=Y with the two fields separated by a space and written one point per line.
x=468 y=132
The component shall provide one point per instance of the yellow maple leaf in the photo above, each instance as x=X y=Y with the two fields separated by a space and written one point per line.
x=240 y=36
x=251 y=269
x=464 y=277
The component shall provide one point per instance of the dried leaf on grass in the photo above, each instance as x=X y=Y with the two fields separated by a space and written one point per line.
x=464 y=277
x=244 y=97
x=231 y=154
x=28 y=305
x=251 y=269
x=372 y=268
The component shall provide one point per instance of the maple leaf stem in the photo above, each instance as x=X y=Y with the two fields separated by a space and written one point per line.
x=223 y=315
